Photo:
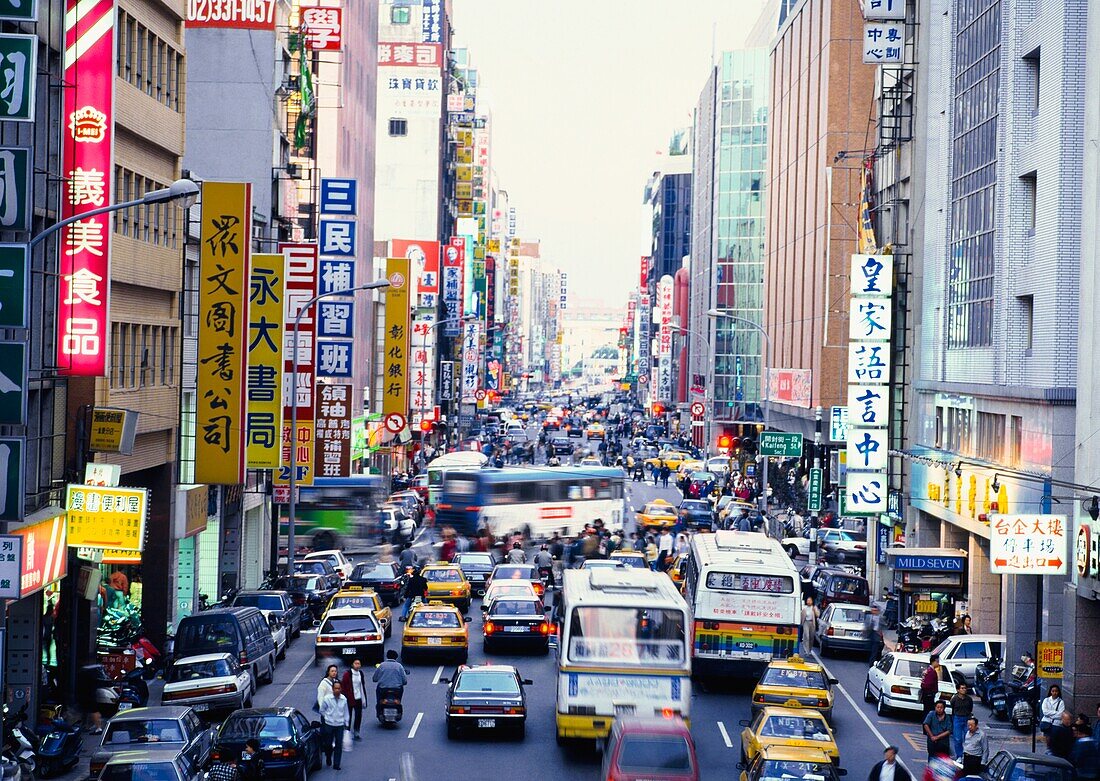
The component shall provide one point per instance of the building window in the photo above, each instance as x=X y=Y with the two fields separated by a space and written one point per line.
x=1027 y=317
x=1031 y=200
x=957 y=435
x=991 y=436
x=399 y=127
x=1031 y=72
x=147 y=62
x=938 y=441
x=1015 y=440
x=400 y=14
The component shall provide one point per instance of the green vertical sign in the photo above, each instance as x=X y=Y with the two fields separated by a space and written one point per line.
x=18 y=73
x=817 y=475
x=15 y=188
x=13 y=285
x=13 y=383
x=12 y=450
x=19 y=10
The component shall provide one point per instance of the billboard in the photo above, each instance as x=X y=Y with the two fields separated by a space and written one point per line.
x=263 y=414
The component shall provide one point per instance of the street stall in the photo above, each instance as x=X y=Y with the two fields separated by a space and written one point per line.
x=927 y=582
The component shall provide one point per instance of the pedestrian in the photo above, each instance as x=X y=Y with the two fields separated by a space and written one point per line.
x=930 y=684
x=407 y=557
x=223 y=770
x=1060 y=736
x=874 y=631
x=807 y=628
x=682 y=544
x=889 y=769
x=251 y=766
x=1051 y=708
x=744 y=523
x=1085 y=755
x=665 y=472
x=447 y=550
x=324 y=686
x=334 y=720
x=415 y=588
x=937 y=730
x=354 y=685
x=664 y=550
x=962 y=708
x=975 y=748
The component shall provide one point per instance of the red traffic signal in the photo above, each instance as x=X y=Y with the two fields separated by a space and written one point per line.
x=658 y=409
x=725 y=441
x=425 y=425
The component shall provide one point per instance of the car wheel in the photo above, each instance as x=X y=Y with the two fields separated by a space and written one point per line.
x=302 y=774
x=270 y=676
x=463 y=657
x=867 y=696
x=389 y=631
x=792 y=550
x=880 y=708
x=824 y=647
x=520 y=732
x=452 y=730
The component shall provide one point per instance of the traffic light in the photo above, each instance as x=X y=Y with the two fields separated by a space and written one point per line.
x=658 y=409
x=749 y=446
x=725 y=441
x=425 y=425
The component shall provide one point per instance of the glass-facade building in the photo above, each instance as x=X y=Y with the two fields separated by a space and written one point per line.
x=728 y=222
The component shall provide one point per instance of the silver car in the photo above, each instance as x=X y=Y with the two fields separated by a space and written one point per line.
x=844 y=627
x=209 y=682
x=171 y=729
x=150 y=766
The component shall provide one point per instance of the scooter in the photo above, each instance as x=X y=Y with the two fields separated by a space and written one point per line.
x=388 y=708
x=987 y=674
x=60 y=748
x=20 y=742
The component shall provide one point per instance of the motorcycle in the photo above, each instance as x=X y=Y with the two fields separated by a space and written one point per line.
x=115 y=695
x=388 y=708
x=20 y=742
x=987 y=674
x=1020 y=688
x=59 y=749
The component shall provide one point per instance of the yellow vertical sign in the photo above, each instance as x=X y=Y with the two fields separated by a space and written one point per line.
x=265 y=362
x=395 y=355
x=222 y=358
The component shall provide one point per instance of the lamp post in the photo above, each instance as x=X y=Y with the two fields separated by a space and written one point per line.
x=724 y=314
x=292 y=503
x=706 y=388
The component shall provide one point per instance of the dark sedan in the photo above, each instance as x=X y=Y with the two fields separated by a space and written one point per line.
x=386 y=578
x=486 y=698
x=310 y=592
x=561 y=447
x=517 y=622
x=477 y=567
x=696 y=514
x=290 y=745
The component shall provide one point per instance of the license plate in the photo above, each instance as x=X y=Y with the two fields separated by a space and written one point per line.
x=515 y=629
x=486 y=723
x=201 y=706
x=125 y=705
x=389 y=713
x=348 y=651
x=746 y=646
x=435 y=641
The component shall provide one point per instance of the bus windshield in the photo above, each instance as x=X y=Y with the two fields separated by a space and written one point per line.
x=626 y=636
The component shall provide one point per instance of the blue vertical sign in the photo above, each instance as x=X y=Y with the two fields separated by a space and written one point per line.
x=337 y=248
x=883 y=542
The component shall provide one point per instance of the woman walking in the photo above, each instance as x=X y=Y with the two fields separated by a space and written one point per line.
x=807 y=628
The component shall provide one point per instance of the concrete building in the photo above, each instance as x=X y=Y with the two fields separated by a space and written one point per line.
x=591 y=327
x=995 y=318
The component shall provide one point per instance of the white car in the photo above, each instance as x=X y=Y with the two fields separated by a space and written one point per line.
x=894 y=683
x=963 y=653
x=279 y=635
x=509 y=588
x=209 y=682
x=718 y=465
x=797 y=546
x=397 y=526
x=336 y=558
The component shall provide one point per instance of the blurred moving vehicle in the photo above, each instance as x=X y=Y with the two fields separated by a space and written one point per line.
x=650 y=748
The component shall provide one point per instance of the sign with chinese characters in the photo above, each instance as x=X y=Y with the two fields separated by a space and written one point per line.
x=868 y=363
x=423 y=264
x=297 y=392
x=11 y=566
x=12 y=454
x=112 y=430
x=872 y=275
x=790 y=386
x=883 y=42
x=13 y=286
x=19 y=10
x=322 y=24
x=471 y=351
x=865 y=493
x=339 y=196
x=643 y=276
x=264 y=403
x=867 y=405
x=106 y=517
x=18 y=74
x=454 y=261
x=431 y=21
x=338 y=238
x=875 y=10
x=867 y=448
x=838 y=424
x=817 y=478
x=333 y=434
x=869 y=318
x=1050 y=659
x=1027 y=544
x=780 y=444
x=87 y=140
x=15 y=189
x=446 y=380
x=563 y=293
x=190 y=511
x=222 y=359
x=395 y=343
x=663 y=318
x=45 y=553
x=421 y=376
x=13 y=383
x=417 y=55
x=236 y=14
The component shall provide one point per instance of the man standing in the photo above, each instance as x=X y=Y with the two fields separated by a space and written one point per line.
x=874 y=631
x=354 y=685
x=334 y=720
x=889 y=769
x=937 y=729
x=962 y=708
x=416 y=586
x=664 y=550
x=930 y=684
x=1084 y=755
x=975 y=749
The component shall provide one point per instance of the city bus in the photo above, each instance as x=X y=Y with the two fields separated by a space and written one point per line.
x=334 y=510
x=744 y=594
x=623 y=650
x=437 y=469
x=537 y=501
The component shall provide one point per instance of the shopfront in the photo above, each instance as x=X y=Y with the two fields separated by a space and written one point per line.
x=929 y=582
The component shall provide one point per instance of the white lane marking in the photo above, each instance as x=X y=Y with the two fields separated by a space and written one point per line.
x=859 y=712
x=286 y=689
x=725 y=735
x=416 y=725
x=438 y=675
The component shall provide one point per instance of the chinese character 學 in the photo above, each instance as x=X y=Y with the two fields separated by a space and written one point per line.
x=322 y=27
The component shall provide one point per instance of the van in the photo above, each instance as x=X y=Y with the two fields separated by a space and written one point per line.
x=837 y=585
x=963 y=653
x=241 y=631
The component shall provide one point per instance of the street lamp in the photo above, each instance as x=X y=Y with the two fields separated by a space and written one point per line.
x=724 y=314
x=292 y=504
x=706 y=388
x=183 y=190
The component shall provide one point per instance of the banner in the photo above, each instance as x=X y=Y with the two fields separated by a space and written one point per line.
x=395 y=352
x=424 y=266
x=87 y=162
x=421 y=375
x=222 y=358
x=263 y=418
x=664 y=338
x=106 y=517
x=300 y=286
x=246 y=15
x=333 y=457
x=454 y=259
x=471 y=350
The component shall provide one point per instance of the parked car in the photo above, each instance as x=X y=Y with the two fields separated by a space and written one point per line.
x=208 y=683
x=272 y=603
x=842 y=546
x=893 y=683
x=843 y=627
x=336 y=558
x=650 y=748
x=385 y=577
x=1007 y=765
x=147 y=765
x=964 y=653
x=310 y=592
x=241 y=631
x=290 y=746
x=314 y=567
x=171 y=729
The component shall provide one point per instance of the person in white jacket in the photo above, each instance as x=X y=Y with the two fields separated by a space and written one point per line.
x=1051 y=708
x=335 y=718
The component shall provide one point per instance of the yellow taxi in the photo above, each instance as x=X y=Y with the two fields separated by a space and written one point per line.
x=435 y=629
x=595 y=431
x=658 y=514
x=690 y=465
x=591 y=461
x=787 y=727
x=795 y=683
x=788 y=762
x=363 y=599
x=676 y=568
x=447 y=583
x=670 y=458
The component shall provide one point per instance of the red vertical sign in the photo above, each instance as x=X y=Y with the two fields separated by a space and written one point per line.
x=301 y=286
x=86 y=154
x=644 y=277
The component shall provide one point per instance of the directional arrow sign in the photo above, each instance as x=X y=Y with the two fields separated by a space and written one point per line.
x=1028 y=544
x=781 y=444
x=13 y=383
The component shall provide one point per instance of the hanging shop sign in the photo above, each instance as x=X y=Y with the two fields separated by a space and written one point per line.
x=45 y=556
x=333 y=423
x=11 y=566
x=190 y=510
x=19 y=55
x=238 y=14
x=1028 y=544
x=424 y=266
x=454 y=261
x=15 y=190
x=113 y=430
x=19 y=10
x=1050 y=659
x=395 y=344
x=321 y=24
x=301 y=267
x=106 y=517
x=222 y=347
x=88 y=164
x=264 y=404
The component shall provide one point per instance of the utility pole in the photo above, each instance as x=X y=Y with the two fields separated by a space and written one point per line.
x=815 y=519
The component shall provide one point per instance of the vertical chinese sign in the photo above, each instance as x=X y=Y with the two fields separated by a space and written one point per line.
x=263 y=417
x=422 y=366
x=664 y=338
x=222 y=356
x=395 y=360
x=454 y=260
x=333 y=422
x=86 y=151
x=300 y=288
x=869 y=332
x=471 y=350
x=322 y=24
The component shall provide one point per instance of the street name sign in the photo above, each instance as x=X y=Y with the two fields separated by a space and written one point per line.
x=780 y=444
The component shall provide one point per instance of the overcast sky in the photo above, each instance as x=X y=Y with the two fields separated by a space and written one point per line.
x=583 y=95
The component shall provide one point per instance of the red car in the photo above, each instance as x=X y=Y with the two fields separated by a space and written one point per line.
x=651 y=749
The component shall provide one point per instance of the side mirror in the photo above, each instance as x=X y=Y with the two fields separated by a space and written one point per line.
x=744 y=723
x=528 y=682
x=833 y=681
x=445 y=680
x=402 y=619
x=466 y=619
x=740 y=766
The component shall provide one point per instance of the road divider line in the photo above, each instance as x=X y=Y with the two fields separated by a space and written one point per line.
x=438 y=675
x=416 y=725
x=286 y=689
x=860 y=713
x=725 y=735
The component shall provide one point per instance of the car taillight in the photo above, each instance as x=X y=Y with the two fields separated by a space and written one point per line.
x=456 y=592
x=95 y=767
x=214 y=754
x=667 y=713
x=829 y=631
x=458 y=709
x=822 y=702
x=473 y=509
x=442 y=506
x=490 y=627
x=895 y=689
x=280 y=753
x=539 y=588
x=298 y=599
x=544 y=627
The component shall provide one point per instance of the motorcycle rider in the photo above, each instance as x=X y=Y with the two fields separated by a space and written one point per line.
x=517 y=555
x=545 y=562
x=389 y=675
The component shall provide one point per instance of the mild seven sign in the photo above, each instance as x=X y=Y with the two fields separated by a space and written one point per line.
x=915 y=563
